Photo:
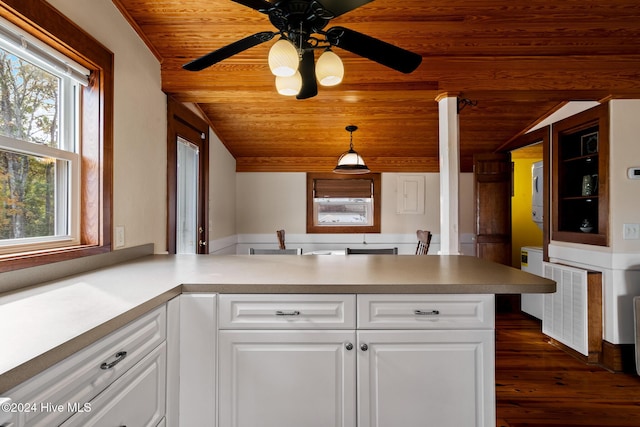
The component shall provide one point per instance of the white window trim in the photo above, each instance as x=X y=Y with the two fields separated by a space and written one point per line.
x=72 y=207
x=68 y=203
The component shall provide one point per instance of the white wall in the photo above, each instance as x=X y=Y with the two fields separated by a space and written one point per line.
x=222 y=197
x=267 y=201
x=139 y=175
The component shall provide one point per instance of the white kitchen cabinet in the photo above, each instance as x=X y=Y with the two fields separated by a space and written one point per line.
x=197 y=361
x=137 y=398
x=423 y=360
x=67 y=387
x=426 y=360
x=287 y=378
x=425 y=378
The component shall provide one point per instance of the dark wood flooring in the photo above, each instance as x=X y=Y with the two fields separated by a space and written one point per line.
x=538 y=384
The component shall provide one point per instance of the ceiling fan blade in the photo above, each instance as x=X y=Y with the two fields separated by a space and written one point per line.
x=374 y=49
x=307 y=70
x=338 y=7
x=227 y=51
x=259 y=5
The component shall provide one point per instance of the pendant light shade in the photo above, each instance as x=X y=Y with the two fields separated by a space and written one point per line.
x=329 y=69
x=350 y=162
x=289 y=86
x=283 y=58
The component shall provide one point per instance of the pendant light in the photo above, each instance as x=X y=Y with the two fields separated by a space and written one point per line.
x=350 y=162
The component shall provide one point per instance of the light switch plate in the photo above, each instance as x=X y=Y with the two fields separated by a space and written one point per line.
x=119 y=236
x=631 y=231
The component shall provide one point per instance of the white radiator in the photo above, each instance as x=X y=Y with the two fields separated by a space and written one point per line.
x=565 y=311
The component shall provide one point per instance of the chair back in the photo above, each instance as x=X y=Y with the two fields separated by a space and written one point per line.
x=424 y=241
x=380 y=251
x=257 y=251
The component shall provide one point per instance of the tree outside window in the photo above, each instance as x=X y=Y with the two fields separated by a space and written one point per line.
x=28 y=112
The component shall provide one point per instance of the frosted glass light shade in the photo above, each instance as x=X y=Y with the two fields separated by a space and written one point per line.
x=351 y=162
x=283 y=58
x=329 y=69
x=289 y=86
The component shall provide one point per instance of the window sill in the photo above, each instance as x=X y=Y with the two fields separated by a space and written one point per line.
x=10 y=262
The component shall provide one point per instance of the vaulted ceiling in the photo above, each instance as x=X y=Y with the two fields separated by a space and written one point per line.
x=519 y=60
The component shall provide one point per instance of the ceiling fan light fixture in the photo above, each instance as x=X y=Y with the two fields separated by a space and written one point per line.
x=283 y=58
x=289 y=86
x=329 y=69
x=350 y=162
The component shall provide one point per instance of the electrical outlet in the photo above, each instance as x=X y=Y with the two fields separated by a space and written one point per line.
x=119 y=236
x=631 y=231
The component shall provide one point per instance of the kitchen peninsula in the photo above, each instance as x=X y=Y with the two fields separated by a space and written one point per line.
x=433 y=314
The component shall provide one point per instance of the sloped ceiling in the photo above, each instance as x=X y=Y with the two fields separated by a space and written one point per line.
x=519 y=60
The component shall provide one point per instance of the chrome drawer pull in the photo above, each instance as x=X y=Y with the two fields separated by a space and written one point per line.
x=287 y=313
x=119 y=358
x=426 y=313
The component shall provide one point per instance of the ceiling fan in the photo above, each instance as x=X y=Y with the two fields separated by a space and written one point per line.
x=302 y=22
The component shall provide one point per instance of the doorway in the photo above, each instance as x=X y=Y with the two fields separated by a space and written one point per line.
x=187 y=181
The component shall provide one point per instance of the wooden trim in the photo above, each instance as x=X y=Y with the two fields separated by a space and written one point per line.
x=40 y=19
x=618 y=357
x=377 y=191
x=542 y=135
x=183 y=122
x=596 y=116
x=594 y=316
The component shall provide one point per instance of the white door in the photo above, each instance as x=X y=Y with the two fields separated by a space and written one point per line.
x=426 y=378
x=287 y=378
x=187 y=198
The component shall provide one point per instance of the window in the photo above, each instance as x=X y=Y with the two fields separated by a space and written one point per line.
x=56 y=87
x=343 y=204
x=39 y=161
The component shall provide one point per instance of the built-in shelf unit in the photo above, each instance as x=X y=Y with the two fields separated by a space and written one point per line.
x=580 y=177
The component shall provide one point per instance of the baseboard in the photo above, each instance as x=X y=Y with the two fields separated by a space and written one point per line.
x=618 y=357
x=594 y=358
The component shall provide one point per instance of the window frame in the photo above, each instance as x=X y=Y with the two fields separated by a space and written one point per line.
x=344 y=229
x=64 y=152
x=42 y=21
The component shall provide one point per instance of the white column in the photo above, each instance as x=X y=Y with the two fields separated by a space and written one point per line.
x=449 y=141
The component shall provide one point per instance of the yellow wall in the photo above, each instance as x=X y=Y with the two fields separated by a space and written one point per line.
x=525 y=232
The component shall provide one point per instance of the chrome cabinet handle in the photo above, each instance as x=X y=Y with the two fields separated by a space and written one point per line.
x=349 y=346
x=119 y=358
x=364 y=347
x=426 y=313
x=287 y=313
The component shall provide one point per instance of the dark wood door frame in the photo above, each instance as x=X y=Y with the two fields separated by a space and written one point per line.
x=543 y=136
x=182 y=122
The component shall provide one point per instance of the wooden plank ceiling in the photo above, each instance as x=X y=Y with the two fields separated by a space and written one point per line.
x=519 y=60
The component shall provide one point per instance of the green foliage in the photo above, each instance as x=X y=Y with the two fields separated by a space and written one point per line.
x=29 y=112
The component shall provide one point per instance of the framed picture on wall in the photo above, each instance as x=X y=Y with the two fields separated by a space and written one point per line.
x=589 y=143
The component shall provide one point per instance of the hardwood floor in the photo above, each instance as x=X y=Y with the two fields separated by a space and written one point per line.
x=538 y=384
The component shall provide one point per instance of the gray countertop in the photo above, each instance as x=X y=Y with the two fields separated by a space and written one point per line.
x=46 y=323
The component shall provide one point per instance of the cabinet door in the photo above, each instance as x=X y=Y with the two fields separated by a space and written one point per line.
x=135 y=399
x=286 y=378
x=426 y=378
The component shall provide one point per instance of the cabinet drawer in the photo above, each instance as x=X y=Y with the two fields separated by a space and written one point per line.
x=420 y=311
x=273 y=311
x=137 y=398
x=82 y=376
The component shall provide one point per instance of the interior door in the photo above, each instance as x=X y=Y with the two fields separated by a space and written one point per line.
x=492 y=175
x=492 y=204
x=187 y=181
